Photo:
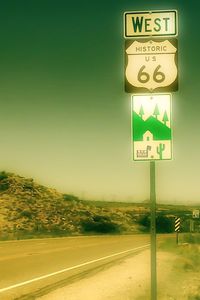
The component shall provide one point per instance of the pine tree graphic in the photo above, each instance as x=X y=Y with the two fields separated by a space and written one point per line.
x=165 y=118
x=141 y=112
x=156 y=111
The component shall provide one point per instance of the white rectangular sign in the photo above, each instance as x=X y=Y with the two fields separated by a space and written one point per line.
x=151 y=127
x=195 y=214
x=150 y=23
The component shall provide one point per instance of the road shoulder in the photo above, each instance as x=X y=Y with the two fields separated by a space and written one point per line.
x=128 y=280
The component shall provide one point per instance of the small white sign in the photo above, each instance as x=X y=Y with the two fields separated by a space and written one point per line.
x=151 y=127
x=151 y=65
x=150 y=23
x=195 y=214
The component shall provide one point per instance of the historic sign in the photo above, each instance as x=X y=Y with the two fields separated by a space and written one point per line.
x=151 y=66
x=151 y=127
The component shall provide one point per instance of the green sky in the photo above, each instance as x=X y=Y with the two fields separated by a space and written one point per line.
x=64 y=116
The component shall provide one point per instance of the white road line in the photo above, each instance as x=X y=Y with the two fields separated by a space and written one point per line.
x=70 y=268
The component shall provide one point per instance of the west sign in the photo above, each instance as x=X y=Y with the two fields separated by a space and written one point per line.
x=150 y=23
x=151 y=127
x=151 y=65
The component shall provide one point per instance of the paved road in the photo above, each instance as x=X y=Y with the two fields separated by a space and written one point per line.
x=40 y=265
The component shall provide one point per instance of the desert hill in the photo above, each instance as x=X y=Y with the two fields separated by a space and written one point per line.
x=28 y=209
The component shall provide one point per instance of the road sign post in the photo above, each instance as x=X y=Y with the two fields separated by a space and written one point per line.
x=153 y=230
x=192 y=225
x=151 y=66
x=195 y=217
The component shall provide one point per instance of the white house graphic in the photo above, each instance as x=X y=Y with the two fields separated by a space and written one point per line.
x=147 y=136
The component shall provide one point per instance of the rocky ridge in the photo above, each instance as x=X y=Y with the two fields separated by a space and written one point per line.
x=28 y=209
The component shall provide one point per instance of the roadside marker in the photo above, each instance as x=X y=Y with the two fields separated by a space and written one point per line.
x=177 y=228
x=177 y=224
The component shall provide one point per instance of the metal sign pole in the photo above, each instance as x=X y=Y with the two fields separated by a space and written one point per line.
x=177 y=237
x=153 y=231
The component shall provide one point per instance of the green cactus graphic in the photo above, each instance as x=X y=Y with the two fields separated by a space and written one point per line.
x=160 y=150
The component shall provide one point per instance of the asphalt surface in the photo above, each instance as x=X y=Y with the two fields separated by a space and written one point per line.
x=31 y=268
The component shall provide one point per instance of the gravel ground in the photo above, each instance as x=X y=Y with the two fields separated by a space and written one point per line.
x=126 y=281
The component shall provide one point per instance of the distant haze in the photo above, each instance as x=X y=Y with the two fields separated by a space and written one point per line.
x=64 y=114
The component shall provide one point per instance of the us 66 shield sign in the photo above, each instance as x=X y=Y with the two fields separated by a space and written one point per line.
x=151 y=66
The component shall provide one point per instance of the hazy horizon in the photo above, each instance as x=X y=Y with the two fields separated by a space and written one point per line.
x=65 y=119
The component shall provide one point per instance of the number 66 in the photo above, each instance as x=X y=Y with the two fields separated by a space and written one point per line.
x=144 y=77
